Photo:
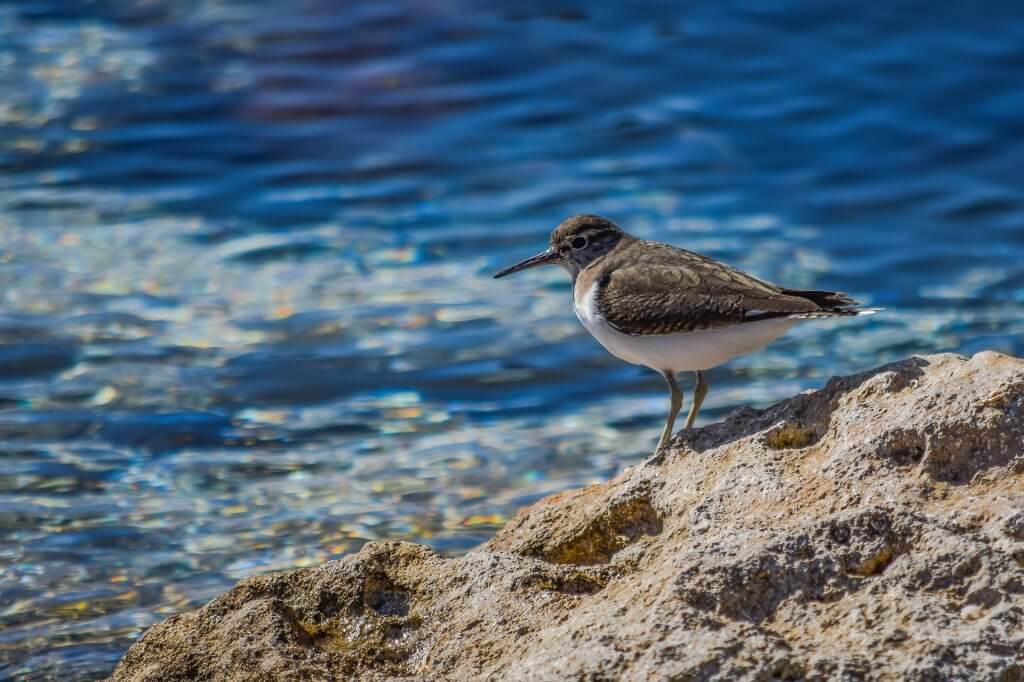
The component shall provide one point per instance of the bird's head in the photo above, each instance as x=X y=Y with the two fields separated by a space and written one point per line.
x=576 y=243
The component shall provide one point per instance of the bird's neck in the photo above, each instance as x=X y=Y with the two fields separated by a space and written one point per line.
x=593 y=270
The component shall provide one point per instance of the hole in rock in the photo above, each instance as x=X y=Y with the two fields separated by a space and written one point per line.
x=384 y=597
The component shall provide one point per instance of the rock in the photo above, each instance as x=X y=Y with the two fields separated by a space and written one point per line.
x=871 y=529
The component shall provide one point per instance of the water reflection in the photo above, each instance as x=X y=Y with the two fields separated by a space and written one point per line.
x=245 y=256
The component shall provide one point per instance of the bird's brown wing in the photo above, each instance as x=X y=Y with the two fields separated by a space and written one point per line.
x=666 y=290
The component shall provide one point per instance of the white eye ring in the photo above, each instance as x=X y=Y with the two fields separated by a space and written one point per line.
x=579 y=243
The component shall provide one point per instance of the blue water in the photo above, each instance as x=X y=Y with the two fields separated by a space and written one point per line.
x=246 y=314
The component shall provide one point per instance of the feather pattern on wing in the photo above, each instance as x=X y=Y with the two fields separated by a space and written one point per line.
x=649 y=288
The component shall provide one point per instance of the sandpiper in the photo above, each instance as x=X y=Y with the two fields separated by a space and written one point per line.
x=673 y=310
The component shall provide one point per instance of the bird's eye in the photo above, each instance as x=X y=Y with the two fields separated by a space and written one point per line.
x=579 y=242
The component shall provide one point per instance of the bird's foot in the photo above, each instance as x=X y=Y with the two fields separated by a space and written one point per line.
x=659 y=454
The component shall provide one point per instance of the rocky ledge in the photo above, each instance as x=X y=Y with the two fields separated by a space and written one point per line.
x=873 y=529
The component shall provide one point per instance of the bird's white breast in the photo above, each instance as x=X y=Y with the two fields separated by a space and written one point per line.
x=683 y=351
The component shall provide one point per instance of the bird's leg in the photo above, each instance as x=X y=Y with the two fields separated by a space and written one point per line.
x=676 y=405
x=699 y=391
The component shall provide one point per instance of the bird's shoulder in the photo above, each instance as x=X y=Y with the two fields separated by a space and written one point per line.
x=654 y=264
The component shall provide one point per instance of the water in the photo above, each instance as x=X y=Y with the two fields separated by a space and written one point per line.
x=246 y=314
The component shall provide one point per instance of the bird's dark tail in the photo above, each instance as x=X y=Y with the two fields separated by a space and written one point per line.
x=831 y=304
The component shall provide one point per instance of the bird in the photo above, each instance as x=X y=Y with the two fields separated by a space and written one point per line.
x=673 y=310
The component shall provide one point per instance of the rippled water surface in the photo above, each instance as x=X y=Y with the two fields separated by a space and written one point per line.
x=246 y=314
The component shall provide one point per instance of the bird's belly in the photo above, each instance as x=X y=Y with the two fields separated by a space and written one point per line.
x=689 y=350
x=684 y=351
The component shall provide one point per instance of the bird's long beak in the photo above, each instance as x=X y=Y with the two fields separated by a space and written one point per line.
x=549 y=256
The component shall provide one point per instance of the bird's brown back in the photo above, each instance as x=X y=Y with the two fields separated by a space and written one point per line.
x=648 y=288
